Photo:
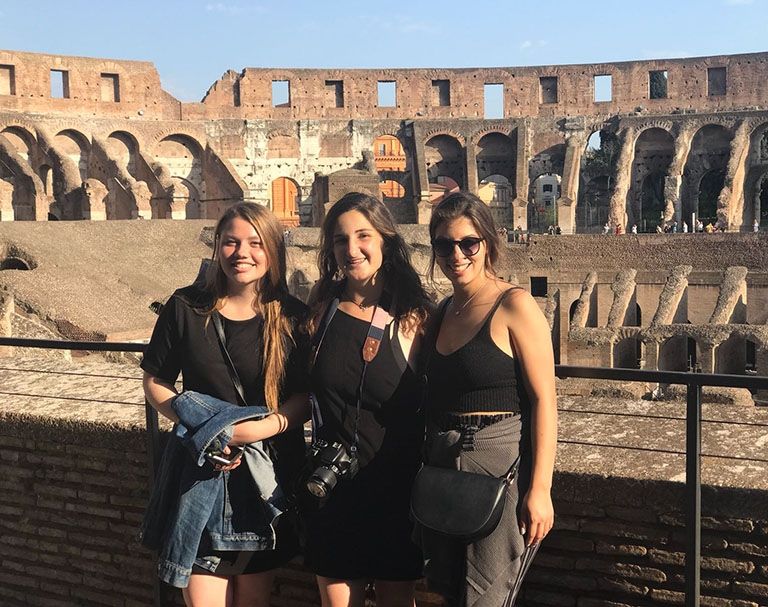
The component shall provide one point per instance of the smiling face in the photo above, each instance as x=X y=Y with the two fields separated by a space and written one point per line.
x=358 y=247
x=461 y=269
x=241 y=254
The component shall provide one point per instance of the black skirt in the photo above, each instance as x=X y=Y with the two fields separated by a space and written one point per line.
x=363 y=531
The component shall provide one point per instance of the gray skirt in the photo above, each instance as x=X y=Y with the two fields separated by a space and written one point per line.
x=478 y=574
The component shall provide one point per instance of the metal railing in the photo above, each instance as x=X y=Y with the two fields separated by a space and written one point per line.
x=693 y=382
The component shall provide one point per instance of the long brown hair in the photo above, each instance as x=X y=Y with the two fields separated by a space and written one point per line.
x=271 y=291
x=409 y=300
x=464 y=204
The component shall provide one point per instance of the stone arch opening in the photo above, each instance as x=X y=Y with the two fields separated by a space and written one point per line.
x=182 y=155
x=710 y=151
x=731 y=356
x=708 y=192
x=441 y=189
x=444 y=157
x=123 y=147
x=678 y=353
x=21 y=140
x=496 y=155
x=598 y=164
x=628 y=353
x=761 y=213
x=542 y=207
x=14 y=263
x=653 y=153
x=285 y=201
x=389 y=154
x=497 y=192
x=75 y=146
x=185 y=196
x=652 y=202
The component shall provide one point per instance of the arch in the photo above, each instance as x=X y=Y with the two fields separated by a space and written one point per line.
x=444 y=157
x=45 y=172
x=185 y=195
x=124 y=147
x=542 y=207
x=653 y=153
x=762 y=200
x=496 y=155
x=677 y=353
x=391 y=189
x=628 y=353
x=710 y=151
x=21 y=139
x=708 y=192
x=76 y=146
x=443 y=186
x=731 y=355
x=595 y=204
x=389 y=154
x=652 y=202
x=285 y=201
x=178 y=146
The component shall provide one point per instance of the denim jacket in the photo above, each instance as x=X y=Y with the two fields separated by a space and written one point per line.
x=190 y=496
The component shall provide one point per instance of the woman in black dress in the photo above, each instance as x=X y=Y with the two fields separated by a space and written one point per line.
x=362 y=532
x=264 y=337
x=490 y=398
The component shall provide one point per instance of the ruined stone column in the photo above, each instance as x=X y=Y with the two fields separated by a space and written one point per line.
x=581 y=313
x=669 y=300
x=730 y=202
x=673 y=208
x=618 y=213
x=733 y=290
x=470 y=155
x=6 y=201
x=522 y=176
x=94 y=193
x=623 y=288
x=141 y=195
x=706 y=359
x=6 y=311
x=569 y=187
x=420 y=177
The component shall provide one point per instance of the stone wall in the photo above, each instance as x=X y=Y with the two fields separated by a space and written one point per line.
x=73 y=493
x=114 y=145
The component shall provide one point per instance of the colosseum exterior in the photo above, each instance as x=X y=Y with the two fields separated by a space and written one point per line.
x=85 y=138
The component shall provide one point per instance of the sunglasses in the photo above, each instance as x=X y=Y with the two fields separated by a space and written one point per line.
x=469 y=246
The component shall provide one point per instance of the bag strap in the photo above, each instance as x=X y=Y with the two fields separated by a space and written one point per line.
x=219 y=326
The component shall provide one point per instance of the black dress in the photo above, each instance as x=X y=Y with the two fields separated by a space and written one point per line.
x=182 y=342
x=363 y=531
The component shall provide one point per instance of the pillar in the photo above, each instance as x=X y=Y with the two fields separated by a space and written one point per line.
x=470 y=158
x=618 y=211
x=569 y=186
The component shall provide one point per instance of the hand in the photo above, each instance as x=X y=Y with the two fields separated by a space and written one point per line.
x=226 y=468
x=537 y=515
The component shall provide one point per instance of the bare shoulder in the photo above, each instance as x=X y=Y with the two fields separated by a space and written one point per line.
x=518 y=304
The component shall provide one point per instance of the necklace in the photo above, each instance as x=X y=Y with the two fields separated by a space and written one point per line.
x=360 y=304
x=462 y=307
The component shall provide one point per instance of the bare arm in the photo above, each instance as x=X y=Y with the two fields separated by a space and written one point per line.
x=532 y=341
x=293 y=412
x=159 y=394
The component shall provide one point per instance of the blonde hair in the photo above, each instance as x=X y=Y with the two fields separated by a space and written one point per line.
x=271 y=291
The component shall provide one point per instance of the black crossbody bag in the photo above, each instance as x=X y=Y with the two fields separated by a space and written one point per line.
x=461 y=505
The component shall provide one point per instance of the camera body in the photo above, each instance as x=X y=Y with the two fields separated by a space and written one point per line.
x=331 y=462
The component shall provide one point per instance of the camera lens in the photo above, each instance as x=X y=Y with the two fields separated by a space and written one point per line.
x=321 y=482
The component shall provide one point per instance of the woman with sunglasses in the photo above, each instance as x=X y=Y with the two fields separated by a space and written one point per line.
x=490 y=397
x=361 y=533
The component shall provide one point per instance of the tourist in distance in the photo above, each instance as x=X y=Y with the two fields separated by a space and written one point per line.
x=218 y=514
x=359 y=531
x=490 y=395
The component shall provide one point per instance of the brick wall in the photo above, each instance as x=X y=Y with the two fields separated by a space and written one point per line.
x=72 y=496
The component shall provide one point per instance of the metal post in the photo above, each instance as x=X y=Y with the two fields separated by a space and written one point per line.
x=693 y=497
x=153 y=455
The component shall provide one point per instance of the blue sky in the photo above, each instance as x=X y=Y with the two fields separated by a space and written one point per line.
x=193 y=42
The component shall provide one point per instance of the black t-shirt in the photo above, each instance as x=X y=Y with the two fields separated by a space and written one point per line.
x=183 y=342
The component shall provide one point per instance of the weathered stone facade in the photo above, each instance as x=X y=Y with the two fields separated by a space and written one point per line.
x=679 y=136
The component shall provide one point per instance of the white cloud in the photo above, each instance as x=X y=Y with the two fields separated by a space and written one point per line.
x=232 y=9
x=531 y=43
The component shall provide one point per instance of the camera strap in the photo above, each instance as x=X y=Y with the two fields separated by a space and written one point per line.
x=219 y=326
x=381 y=318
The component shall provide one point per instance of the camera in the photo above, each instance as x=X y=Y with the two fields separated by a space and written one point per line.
x=331 y=462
